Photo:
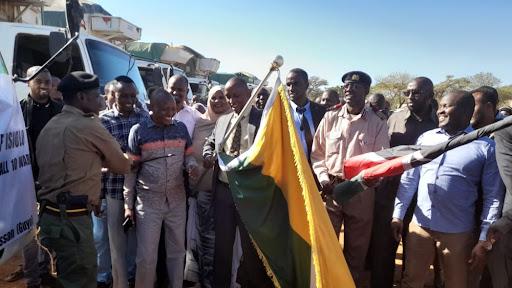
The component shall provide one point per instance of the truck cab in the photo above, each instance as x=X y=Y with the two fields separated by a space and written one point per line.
x=24 y=46
x=157 y=74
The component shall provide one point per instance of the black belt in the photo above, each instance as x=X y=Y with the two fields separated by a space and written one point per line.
x=335 y=180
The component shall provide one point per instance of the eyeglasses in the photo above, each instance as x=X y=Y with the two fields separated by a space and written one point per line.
x=412 y=93
x=353 y=85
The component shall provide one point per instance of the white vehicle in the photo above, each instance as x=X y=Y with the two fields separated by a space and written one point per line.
x=201 y=86
x=24 y=46
x=157 y=74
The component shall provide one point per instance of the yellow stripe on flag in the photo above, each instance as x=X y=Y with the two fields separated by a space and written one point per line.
x=293 y=175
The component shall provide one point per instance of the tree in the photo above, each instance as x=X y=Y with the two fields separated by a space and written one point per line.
x=392 y=87
x=484 y=79
x=505 y=95
x=314 y=90
x=451 y=84
x=338 y=89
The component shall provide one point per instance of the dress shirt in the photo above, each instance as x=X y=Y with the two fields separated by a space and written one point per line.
x=188 y=116
x=405 y=127
x=119 y=127
x=448 y=186
x=244 y=141
x=341 y=136
x=297 y=120
x=71 y=150
x=163 y=152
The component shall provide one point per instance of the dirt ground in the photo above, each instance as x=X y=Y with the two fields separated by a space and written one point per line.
x=13 y=263
x=9 y=267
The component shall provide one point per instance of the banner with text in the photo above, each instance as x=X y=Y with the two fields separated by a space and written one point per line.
x=18 y=208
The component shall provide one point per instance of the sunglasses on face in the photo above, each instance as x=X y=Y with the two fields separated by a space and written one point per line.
x=412 y=93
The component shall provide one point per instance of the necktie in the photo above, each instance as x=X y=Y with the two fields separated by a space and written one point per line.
x=304 y=126
x=235 y=146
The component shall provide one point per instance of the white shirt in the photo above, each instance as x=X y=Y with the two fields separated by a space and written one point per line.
x=188 y=116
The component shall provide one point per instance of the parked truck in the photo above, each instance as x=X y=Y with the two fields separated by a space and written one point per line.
x=24 y=46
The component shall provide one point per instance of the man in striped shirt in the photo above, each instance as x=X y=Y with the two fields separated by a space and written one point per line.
x=155 y=192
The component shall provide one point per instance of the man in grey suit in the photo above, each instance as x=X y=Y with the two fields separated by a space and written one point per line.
x=226 y=215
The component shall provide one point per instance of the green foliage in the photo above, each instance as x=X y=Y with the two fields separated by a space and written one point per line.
x=392 y=87
x=315 y=84
x=484 y=79
x=451 y=84
x=338 y=89
x=505 y=95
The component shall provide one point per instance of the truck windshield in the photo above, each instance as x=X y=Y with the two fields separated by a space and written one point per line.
x=199 y=89
x=108 y=62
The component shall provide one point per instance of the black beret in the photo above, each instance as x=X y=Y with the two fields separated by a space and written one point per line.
x=78 y=81
x=357 y=77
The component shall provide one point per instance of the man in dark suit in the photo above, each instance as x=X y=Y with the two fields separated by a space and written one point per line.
x=226 y=215
x=501 y=230
x=306 y=114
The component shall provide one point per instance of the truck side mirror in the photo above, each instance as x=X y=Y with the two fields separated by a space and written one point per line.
x=57 y=41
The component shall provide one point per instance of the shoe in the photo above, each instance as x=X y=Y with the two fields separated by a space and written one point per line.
x=131 y=283
x=104 y=285
x=47 y=279
x=16 y=275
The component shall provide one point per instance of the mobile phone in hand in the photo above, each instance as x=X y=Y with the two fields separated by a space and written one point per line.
x=127 y=224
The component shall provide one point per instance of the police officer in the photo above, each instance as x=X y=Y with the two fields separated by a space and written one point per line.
x=71 y=150
x=346 y=131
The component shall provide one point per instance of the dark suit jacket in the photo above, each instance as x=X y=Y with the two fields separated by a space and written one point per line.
x=503 y=139
x=317 y=113
x=221 y=128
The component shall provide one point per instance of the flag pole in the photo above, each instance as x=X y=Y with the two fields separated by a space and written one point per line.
x=274 y=66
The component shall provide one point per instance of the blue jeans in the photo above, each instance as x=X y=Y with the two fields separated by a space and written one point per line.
x=101 y=242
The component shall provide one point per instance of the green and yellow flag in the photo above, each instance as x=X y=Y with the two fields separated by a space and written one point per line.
x=277 y=198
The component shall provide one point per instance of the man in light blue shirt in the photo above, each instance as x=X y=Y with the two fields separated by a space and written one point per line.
x=306 y=114
x=448 y=189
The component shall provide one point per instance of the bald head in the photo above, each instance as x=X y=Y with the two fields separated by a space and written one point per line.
x=160 y=95
x=425 y=84
x=377 y=100
x=330 y=98
x=41 y=85
x=32 y=70
x=237 y=93
x=237 y=82
x=163 y=106
x=455 y=111
x=178 y=87
x=178 y=78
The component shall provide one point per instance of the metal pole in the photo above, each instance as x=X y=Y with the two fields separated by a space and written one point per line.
x=278 y=62
x=15 y=78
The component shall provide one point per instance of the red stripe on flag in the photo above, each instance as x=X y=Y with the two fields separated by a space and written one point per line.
x=354 y=165
x=389 y=168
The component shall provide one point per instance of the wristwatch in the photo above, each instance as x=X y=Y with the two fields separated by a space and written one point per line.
x=487 y=245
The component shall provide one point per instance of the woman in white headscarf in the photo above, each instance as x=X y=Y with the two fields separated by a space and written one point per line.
x=200 y=226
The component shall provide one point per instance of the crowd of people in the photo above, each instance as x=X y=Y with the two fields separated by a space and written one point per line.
x=163 y=212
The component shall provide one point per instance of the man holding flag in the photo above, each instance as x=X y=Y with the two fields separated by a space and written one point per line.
x=349 y=130
x=447 y=191
x=226 y=214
